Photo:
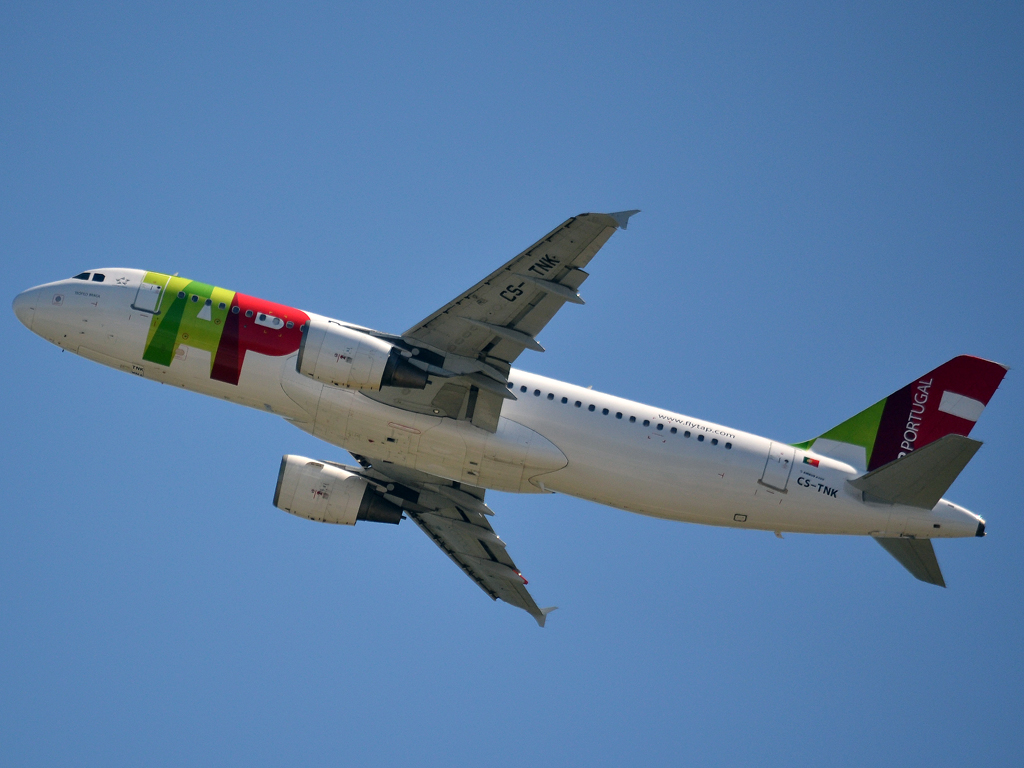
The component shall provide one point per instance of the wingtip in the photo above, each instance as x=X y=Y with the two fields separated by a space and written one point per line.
x=543 y=615
x=622 y=217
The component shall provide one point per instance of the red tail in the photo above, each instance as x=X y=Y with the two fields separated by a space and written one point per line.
x=945 y=401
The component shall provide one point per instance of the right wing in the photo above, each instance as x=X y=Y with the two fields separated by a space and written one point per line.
x=454 y=516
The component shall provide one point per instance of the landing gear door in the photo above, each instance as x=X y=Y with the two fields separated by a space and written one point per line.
x=778 y=467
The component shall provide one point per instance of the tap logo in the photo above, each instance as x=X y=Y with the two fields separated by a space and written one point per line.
x=186 y=319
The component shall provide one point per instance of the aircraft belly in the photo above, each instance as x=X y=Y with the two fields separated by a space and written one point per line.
x=692 y=481
x=695 y=493
x=503 y=461
x=454 y=449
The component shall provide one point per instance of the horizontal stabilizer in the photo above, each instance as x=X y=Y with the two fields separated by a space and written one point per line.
x=919 y=479
x=917 y=556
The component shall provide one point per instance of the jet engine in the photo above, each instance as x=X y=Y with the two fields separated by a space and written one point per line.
x=344 y=357
x=329 y=494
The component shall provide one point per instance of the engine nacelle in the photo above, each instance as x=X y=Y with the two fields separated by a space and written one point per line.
x=328 y=494
x=343 y=357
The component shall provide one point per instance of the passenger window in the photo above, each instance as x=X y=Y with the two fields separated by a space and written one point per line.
x=728 y=446
x=262 y=316
x=290 y=324
x=97 y=277
x=536 y=393
x=550 y=396
x=700 y=438
x=647 y=422
x=661 y=426
x=509 y=384
x=81 y=276
x=234 y=310
x=618 y=415
x=209 y=302
x=222 y=305
x=194 y=298
x=578 y=403
x=590 y=408
x=605 y=411
x=522 y=389
x=714 y=441
x=248 y=313
x=686 y=433
x=181 y=294
x=565 y=400
x=673 y=430
x=632 y=419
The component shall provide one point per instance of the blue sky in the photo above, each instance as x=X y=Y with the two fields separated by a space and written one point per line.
x=832 y=205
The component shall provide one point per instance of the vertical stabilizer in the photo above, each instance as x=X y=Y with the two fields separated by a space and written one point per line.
x=946 y=401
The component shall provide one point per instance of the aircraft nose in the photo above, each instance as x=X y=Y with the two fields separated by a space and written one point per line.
x=25 y=306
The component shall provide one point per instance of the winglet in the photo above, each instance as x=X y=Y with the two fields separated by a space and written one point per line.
x=544 y=615
x=622 y=219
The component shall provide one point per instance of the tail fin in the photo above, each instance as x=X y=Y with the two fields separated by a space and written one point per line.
x=946 y=401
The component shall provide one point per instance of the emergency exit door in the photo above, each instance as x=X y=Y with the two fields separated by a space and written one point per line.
x=148 y=298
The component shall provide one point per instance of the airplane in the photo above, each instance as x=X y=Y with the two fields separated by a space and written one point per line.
x=437 y=415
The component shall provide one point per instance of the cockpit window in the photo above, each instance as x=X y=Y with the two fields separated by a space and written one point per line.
x=81 y=276
x=97 y=277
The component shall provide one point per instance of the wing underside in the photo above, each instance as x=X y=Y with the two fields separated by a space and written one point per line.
x=455 y=518
x=501 y=315
x=468 y=345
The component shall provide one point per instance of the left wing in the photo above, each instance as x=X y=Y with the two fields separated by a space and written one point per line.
x=500 y=316
x=468 y=345
x=455 y=516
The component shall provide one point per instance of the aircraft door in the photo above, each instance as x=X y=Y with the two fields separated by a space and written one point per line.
x=148 y=298
x=778 y=467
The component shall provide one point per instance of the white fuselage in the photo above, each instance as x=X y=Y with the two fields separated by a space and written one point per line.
x=555 y=437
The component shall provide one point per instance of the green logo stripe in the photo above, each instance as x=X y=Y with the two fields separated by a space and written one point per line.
x=186 y=319
x=861 y=430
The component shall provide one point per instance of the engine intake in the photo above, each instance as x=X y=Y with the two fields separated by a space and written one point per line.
x=343 y=357
x=323 y=492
